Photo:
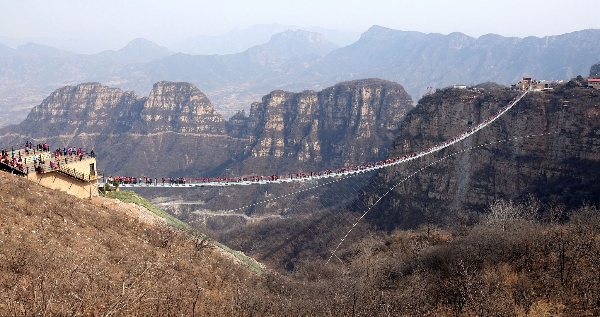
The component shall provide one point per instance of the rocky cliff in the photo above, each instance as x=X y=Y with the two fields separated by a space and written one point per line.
x=179 y=107
x=559 y=168
x=171 y=131
x=293 y=61
x=177 y=132
x=348 y=123
x=87 y=108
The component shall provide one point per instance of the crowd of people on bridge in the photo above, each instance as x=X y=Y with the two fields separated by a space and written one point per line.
x=170 y=181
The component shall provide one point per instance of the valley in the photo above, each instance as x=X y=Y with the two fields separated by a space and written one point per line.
x=387 y=189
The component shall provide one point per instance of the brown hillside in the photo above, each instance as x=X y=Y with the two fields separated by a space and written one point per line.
x=62 y=256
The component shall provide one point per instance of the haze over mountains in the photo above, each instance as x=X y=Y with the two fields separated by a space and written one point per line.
x=237 y=41
x=492 y=225
x=232 y=82
x=234 y=41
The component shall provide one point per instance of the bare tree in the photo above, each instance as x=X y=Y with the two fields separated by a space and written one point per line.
x=503 y=213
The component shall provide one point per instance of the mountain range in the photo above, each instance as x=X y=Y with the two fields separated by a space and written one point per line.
x=237 y=40
x=295 y=61
x=176 y=131
x=288 y=130
x=504 y=222
x=234 y=41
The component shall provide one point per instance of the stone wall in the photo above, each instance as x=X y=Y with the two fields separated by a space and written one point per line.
x=70 y=185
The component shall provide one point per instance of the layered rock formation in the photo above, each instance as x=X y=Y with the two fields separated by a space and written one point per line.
x=173 y=130
x=560 y=167
x=177 y=132
x=86 y=108
x=348 y=123
x=180 y=107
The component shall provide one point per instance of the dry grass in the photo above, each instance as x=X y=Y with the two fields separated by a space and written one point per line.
x=65 y=256
x=60 y=255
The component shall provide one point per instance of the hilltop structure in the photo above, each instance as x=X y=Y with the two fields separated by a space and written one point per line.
x=70 y=170
x=594 y=83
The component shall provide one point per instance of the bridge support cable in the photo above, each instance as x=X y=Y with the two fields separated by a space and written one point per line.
x=332 y=254
x=343 y=175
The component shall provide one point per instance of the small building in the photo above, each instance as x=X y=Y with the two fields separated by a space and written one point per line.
x=594 y=83
x=541 y=85
x=460 y=86
x=525 y=82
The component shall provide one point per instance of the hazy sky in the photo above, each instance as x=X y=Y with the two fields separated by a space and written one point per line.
x=169 y=21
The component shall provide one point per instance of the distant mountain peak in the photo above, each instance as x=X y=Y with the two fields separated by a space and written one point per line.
x=299 y=34
x=377 y=31
x=292 y=43
x=31 y=47
x=144 y=44
x=143 y=50
x=141 y=42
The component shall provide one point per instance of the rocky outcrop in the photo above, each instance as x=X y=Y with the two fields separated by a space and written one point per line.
x=180 y=107
x=348 y=123
x=503 y=161
x=176 y=130
x=86 y=108
x=93 y=108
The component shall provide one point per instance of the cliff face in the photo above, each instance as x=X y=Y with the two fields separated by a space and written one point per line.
x=180 y=107
x=173 y=130
x=92 y=108
x=177 y=132
x=348 y=123
x=85 y=108
x=559 y=168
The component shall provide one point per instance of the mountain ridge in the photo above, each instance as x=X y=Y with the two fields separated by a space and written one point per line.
x=416 y=60
x=177 y=113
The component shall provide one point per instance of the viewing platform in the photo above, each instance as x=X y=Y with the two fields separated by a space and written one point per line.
x=71 y=169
